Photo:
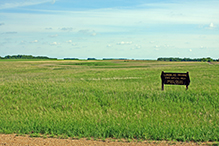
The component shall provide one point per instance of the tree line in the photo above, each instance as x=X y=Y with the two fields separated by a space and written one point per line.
x=26 y=57
x=208 y=59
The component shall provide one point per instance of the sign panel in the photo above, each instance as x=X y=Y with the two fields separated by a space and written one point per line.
x=175 y=79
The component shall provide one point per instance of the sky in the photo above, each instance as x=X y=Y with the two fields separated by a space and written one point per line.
x=135 y=29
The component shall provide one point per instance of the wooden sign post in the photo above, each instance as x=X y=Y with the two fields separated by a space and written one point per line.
x=175 y=79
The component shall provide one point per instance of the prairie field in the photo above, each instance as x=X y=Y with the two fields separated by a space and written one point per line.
x=109 y=99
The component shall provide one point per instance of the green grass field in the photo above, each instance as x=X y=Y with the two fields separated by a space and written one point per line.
x=109 y=99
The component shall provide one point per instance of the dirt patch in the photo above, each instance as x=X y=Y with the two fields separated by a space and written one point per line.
x=14 y=140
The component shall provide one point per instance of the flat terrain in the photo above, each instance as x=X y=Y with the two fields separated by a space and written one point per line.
x=109 y=99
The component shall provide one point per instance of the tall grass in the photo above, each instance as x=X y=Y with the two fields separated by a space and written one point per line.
x=63 y=97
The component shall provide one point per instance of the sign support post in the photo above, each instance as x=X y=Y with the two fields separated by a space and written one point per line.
x=162 y=80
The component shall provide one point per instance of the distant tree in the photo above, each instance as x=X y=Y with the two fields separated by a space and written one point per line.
x=91 y=58
x=107 y=58
x=122 y=58
x=27 y=57
x=185 y=59
x=204 y=59
x=209 y=59
x=71 y=59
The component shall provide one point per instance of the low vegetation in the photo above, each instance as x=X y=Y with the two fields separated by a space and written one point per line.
x=27 y=57
x=208 y=59
x=109 y=99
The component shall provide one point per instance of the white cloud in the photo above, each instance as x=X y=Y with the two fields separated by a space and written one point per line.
x=21 y=3
x=166 y=46
x=203 y=47
x=94 y=34
x=66 y=28
x=190 y=50
x=54 y=43
x=35 y=41
x=69 y=41
x=212 y=25
x=11 y=32
x=124 y=43
x=87 y=32
x=109 y=45
x=101 y=18
x=156 y=47
x=53 y=1
x=136 y=47
x=49 y=28
x=54 y=35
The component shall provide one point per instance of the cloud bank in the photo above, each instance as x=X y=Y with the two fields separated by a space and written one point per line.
x=6 y=4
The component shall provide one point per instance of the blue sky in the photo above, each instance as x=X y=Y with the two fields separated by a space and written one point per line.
x=140 y=29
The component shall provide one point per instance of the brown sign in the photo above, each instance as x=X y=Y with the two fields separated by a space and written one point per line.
x=175 y=79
